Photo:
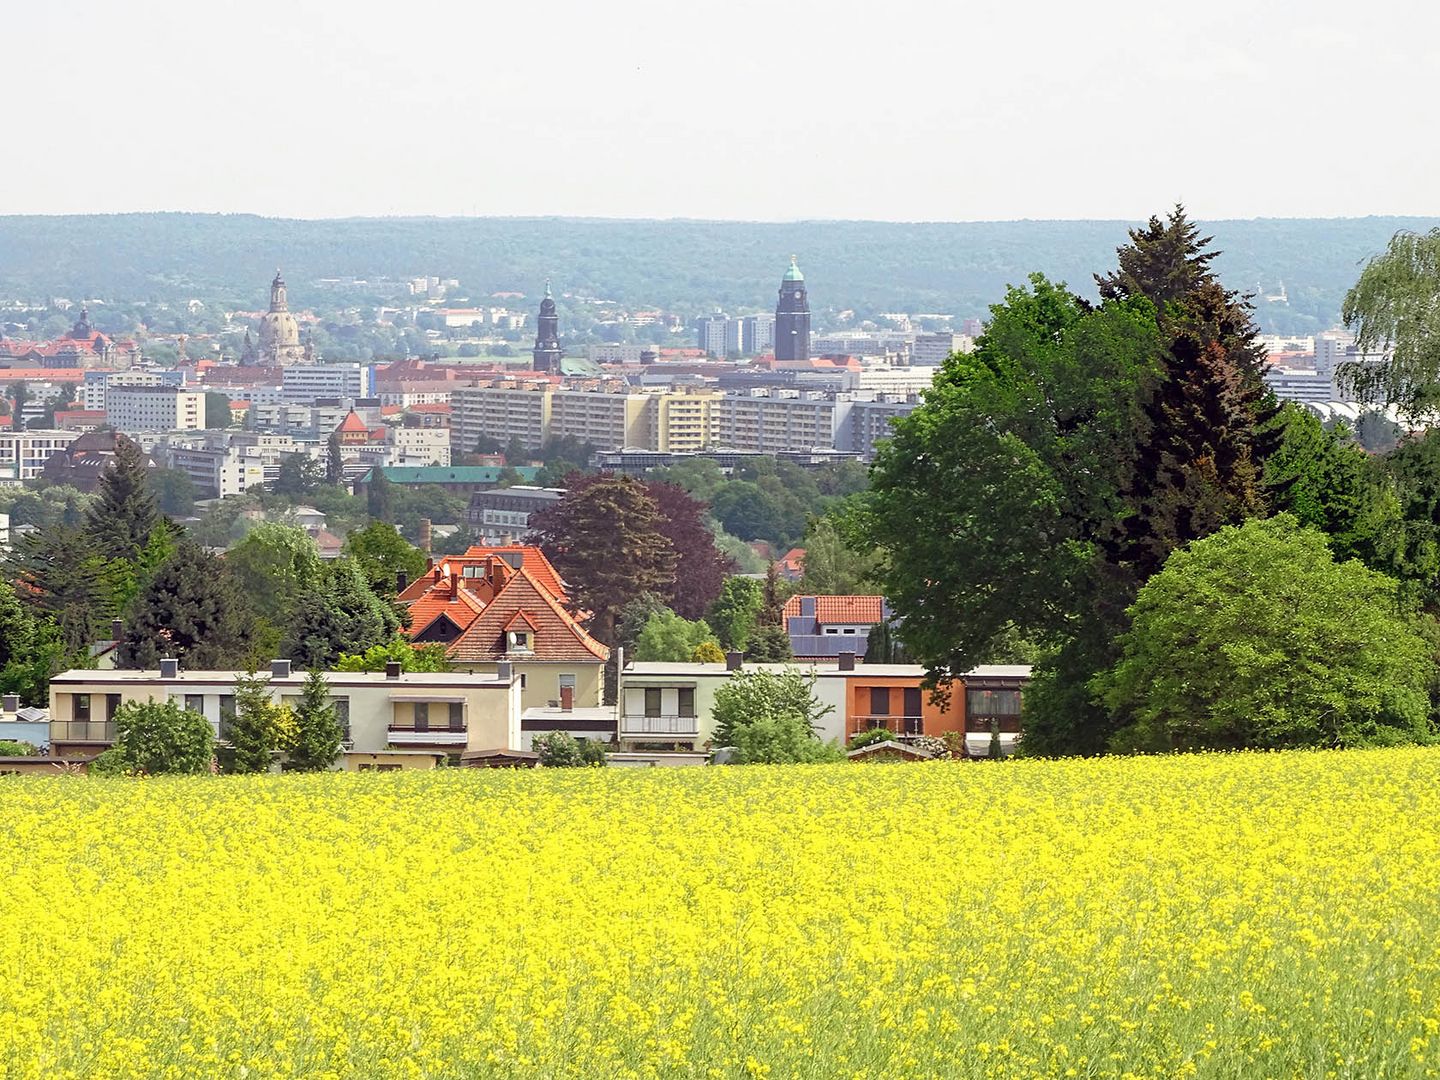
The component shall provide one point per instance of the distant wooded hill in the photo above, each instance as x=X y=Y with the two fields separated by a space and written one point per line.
x=687 y=266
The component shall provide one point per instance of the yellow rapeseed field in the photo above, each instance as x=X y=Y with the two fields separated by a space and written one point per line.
x=1226 y=916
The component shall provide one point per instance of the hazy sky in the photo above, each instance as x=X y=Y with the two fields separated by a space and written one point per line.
x=903 y=110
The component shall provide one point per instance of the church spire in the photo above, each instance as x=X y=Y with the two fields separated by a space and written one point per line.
x=278 y=301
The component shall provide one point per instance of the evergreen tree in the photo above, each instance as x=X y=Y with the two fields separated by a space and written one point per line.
x=318 y=732
x=343 y=615
x=604 y=538
x=1199 y=459
x=378 y=497
x=260 y=728
x=769 y=645
x=772 y=599
x=883 y=645
x=334 y=463
x=190 y=610
x=127 y=513
x=732 y=616
x=63 y=577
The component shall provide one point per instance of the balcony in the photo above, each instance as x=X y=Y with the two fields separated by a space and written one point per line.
x=686 y=726
x=409 y=735
x=900 y=725
x=82 y=731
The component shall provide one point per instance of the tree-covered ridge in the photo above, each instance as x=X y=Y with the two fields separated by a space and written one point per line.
x=957 y=268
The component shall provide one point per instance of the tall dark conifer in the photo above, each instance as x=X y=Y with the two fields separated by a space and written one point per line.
x=191 y=610
x=1200 y=460
x=127 y=512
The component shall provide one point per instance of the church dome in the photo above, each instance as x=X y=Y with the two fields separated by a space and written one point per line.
x=278 y=329
x=793 y=274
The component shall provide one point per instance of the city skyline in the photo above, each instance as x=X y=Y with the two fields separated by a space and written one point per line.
x=918 y=114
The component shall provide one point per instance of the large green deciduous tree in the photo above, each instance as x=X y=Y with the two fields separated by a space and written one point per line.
x=160 y=737
x=732 y=616
x=274 y=566
x=669 y=637
x=1257 y=637
x=748 y=696
x=1394 y=311
x=993 y=498
x=381 y=553
x=832 y=567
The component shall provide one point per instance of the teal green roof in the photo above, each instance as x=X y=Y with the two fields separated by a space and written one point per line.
x=793 y=274
x=450 y=474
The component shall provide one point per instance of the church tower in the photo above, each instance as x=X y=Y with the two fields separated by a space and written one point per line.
x=279 y=332
x=547 y=337
x=792 y=317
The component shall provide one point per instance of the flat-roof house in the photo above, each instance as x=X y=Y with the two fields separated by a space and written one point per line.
x=392 y=719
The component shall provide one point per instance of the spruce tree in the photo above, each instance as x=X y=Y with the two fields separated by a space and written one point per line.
x=127 y=512
x=318 y=733
x=260 y=728
x=341 y=615
x=1199 y=459
x=190 y=610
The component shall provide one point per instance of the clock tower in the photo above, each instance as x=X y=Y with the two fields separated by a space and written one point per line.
x=547 y=337
x=792 y=317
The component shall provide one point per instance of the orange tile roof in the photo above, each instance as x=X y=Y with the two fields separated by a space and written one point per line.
x=461 y=608
x=532 y=561
x=845 y=610
x=557 y=636
x=352 y=424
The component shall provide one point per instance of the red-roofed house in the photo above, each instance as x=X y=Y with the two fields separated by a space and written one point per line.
x=823 y=627
x=506 y=604
x=792 y=564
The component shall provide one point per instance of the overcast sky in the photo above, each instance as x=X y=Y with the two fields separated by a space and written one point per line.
x=786 y=109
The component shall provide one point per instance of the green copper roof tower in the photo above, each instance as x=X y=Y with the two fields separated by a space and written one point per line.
x=792 y=317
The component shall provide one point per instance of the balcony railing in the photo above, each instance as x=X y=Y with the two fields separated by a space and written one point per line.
x=631 y=724
x=427 y=736
x=900 y=725
x=82 y=731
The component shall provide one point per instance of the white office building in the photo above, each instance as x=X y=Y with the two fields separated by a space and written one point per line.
x=23 y=454
x=133 y=409
x=304 y=384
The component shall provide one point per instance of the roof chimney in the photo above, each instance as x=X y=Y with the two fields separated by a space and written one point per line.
x=567 y=698
x=455 y=585
x=847 y=661
x=117 y=629
x=504 y=672
x=402 y=581
x=11 y=703
x=279 y=669
x=169 y=668
x=733 y=660
x=392 y=669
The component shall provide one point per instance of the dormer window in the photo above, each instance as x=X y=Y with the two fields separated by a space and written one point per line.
x=519 y=640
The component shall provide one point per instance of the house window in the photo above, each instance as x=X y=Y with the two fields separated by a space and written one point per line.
x=522 y=680
x=848 y=630
x=832 y=630
x=992 y=702
x=652 y=701
x=112 y=703
x=519 y=641
x=879 y=701
x=342 y=715
x=422 y=716
x=81 y=706
x=687 y=701
x=195 y=703
x=457 y=716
